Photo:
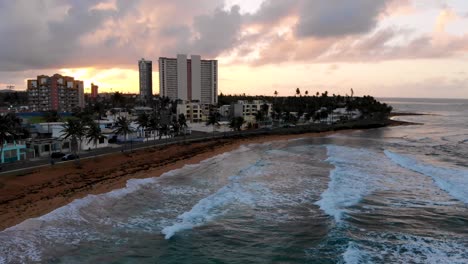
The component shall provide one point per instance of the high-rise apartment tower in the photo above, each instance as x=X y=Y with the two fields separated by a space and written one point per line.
x=191 y=79
x=146 y=79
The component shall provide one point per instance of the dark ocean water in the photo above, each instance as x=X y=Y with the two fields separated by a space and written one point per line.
x=391 y=195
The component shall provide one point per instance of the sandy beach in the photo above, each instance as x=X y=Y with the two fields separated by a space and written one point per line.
x=34 y=193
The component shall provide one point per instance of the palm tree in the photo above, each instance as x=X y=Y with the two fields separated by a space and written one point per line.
x=117 y=100
x=143 y=122
x=154 y=124
x=9 y=126
x=306 y=93
x=163 y=130
x=276 y=93
x=94 y=133
x=298 y=92
x=183 y=124
x=123 y=127
x=213 y=119
x=74 y=129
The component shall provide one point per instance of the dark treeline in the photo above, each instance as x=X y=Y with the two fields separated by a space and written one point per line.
x=305 y=104
x=13 y=98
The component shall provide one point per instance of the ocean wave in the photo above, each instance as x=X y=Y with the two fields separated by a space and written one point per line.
x=405 y=248
x=215 y=205
x=453 y=181
x=354 y=177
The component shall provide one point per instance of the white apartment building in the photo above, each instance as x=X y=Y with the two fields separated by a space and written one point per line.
x=191 y=79
x=194 y=112
x=248 y=109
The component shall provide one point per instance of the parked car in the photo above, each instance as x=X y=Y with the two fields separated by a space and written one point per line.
x=70 y=157
x=57 y=155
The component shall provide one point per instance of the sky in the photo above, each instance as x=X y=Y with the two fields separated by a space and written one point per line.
x=383 y=48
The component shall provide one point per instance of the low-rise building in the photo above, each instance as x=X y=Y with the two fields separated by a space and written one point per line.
x=13 y=151
x=248 y=109
x=193 y=111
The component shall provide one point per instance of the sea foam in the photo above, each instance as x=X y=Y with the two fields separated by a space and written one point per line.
x=215 y=205
x=353 y=178
x=453 y=181
x=405 y=248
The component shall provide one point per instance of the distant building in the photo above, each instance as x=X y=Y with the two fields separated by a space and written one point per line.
x=248 y=109
x=193 y=111
x=94 y=91
x=60 y=93
x=191 y=79
x=146 y=79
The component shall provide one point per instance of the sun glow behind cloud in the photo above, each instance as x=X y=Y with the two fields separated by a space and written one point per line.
x=109 y=80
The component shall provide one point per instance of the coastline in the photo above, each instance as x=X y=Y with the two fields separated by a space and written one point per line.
x=39 y=191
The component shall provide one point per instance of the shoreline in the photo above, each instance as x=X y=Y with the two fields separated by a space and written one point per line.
x=38 y=192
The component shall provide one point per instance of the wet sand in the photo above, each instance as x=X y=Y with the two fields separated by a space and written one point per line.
x=39 y=191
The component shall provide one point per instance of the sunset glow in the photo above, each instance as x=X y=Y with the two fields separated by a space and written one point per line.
x=403 y=48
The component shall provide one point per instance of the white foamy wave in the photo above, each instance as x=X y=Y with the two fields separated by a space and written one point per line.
x=29 y=252
x=353 y=178
x=208 y=208
x=215 y=205
x=404 y=248
x=453 y=181
x=72 y=210
x=353 y=255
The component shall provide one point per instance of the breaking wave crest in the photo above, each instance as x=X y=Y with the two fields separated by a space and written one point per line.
x=353 y=178
x=453 y=181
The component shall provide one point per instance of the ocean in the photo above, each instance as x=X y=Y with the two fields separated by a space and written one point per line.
x=389 y=195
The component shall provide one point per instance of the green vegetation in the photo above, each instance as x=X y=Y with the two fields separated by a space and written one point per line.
x=14 y=98
x=317 y=106
x=10 y=127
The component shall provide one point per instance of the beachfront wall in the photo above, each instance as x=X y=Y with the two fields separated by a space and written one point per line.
x=12 y=152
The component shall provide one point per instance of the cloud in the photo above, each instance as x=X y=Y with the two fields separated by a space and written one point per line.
x=115 y=33
x=338 y=18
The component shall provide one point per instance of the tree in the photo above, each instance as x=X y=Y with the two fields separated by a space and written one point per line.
x=236 y=123
x=213 y=119
x=143 y=121
x=154 y=124
x=298 y=92
x=10 y=124
x=99 y=109
x=117 y=100
x=123 y=127
x=74 y=130
x=182 y=121
x=51 y=116
x=306 y=93
x=259 y=116
x=276 y=93
x=94 y=133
